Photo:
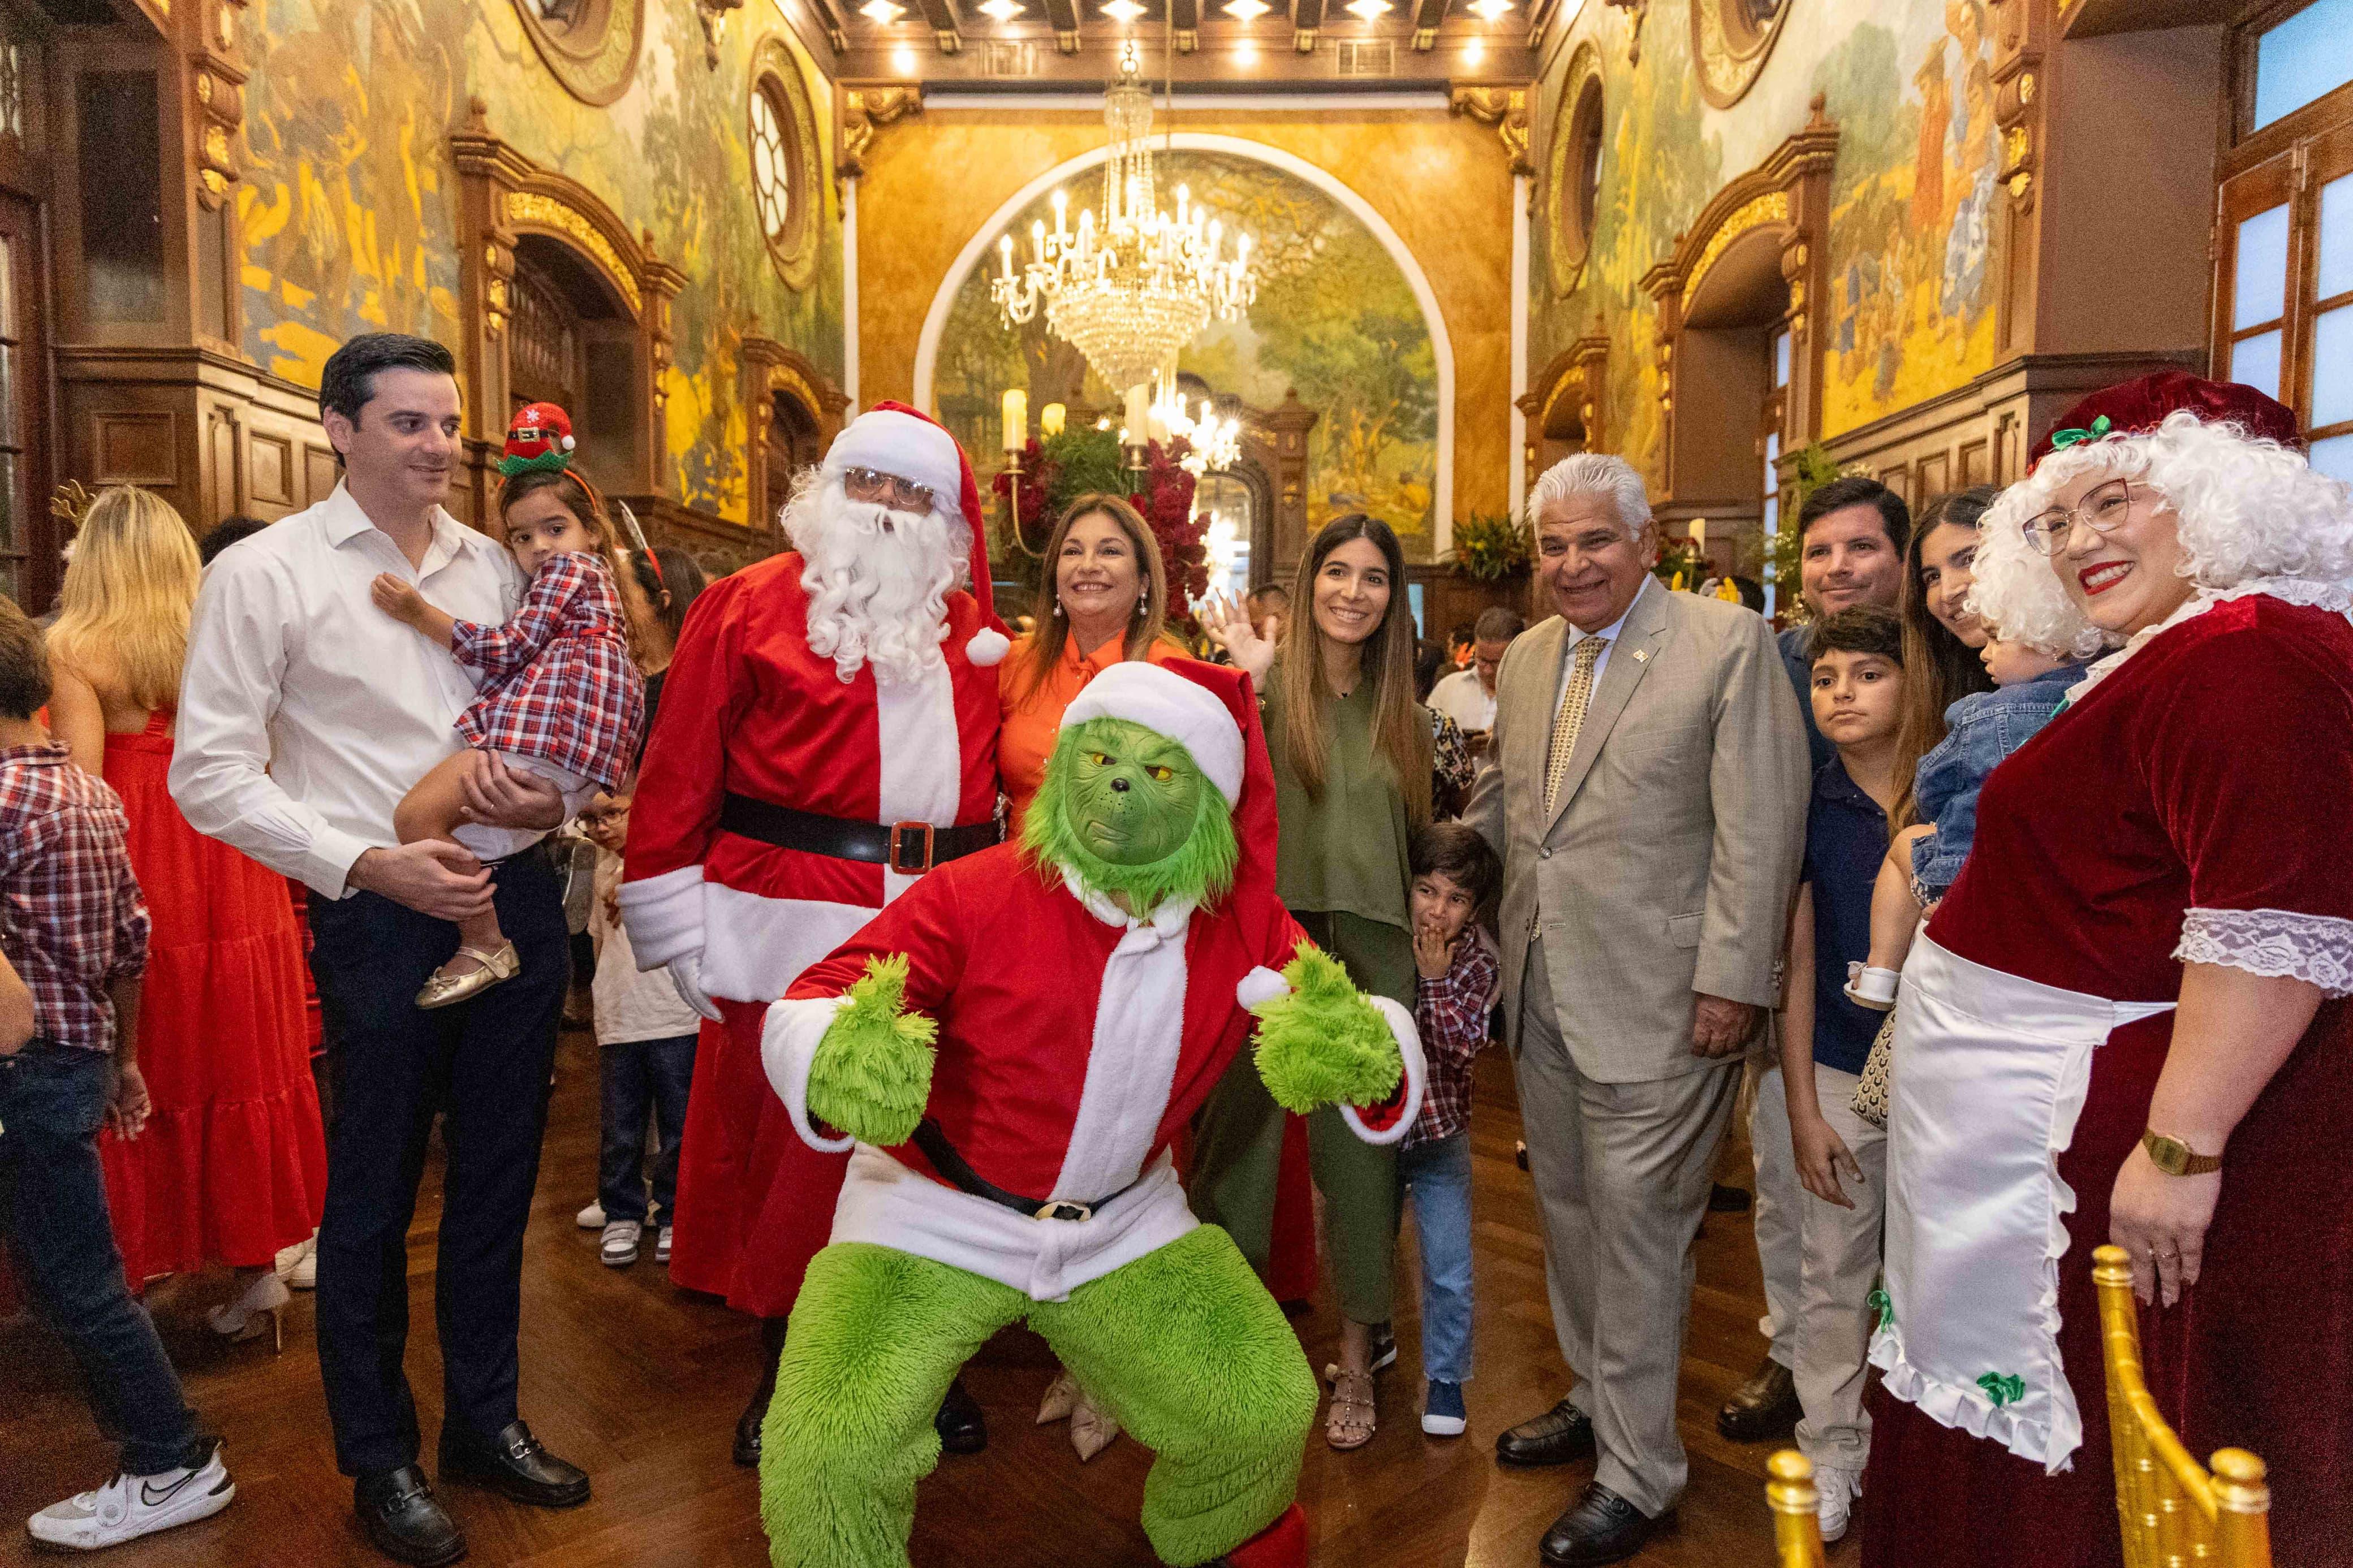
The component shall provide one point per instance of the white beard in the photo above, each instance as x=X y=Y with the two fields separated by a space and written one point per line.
x=878 y=580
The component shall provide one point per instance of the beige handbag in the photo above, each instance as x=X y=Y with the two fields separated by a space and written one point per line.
x=1870 y=1100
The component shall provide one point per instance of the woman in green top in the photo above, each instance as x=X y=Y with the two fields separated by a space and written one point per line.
x=1352 y=755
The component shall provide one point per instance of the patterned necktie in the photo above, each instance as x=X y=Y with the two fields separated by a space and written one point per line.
x=1571 y=717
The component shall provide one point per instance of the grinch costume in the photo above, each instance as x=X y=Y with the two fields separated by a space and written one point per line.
x=1011 y=1047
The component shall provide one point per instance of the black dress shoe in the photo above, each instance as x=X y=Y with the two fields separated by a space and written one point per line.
x=963 y=1428
x=512 y=1465
x=1764 y=1408
x=1722 y=1199
x=1602 y=1528
x=1561 y=1434
x=749 y=1424
x=397 y=1513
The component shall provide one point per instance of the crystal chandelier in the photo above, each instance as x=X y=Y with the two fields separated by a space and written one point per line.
x=1130 y=289
x=1216 y=443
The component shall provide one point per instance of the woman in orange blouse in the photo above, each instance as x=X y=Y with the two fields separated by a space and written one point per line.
x=1110 y=602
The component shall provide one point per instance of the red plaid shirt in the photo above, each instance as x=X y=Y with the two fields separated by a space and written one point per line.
x=71 y=918
x=562 y=686
x=1450 y=1013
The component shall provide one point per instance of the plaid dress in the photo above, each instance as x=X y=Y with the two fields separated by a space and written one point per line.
x=561 y=685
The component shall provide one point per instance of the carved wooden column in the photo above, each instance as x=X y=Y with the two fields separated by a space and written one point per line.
x=1277 y=440
x=2022 y=33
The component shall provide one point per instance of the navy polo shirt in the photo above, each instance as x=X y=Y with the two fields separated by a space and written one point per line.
x=1846 y=839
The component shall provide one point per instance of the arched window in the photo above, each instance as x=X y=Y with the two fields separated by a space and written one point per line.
x=787 y=187
x=1575 y=176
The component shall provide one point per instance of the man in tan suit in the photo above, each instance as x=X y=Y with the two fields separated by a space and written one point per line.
x=1648 y=797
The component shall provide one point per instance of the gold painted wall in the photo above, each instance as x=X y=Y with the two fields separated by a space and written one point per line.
x=1443 y=184
x=348 y=207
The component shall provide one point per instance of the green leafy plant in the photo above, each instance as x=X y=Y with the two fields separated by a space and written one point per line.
x=1490 y=546
x=1814 y=468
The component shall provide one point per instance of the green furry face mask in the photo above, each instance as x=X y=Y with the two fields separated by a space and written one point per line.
x=1127 y=809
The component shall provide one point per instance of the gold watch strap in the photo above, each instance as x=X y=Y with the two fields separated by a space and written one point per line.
x=2175 y=1158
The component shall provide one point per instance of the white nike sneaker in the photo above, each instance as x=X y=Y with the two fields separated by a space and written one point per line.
x=129 y=1507
x=590 y=1218
x=1836 y=1489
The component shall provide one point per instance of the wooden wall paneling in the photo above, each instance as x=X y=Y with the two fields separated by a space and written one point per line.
x=1936 y=476
x=320 y=472
x=1974 y=470
x=269 y=472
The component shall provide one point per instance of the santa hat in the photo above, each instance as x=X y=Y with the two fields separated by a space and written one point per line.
x=893 y=438
x=2138 y=407
x=538 y=436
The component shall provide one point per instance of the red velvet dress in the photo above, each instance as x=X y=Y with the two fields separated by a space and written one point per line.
x=2212 y=771
x=232 y=1165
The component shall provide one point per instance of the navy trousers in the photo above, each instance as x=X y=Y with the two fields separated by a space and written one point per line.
x=481 y=1065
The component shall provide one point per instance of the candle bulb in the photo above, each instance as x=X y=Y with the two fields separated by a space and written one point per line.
x=1060 y=202
x=1038 y=240
x=1051 y=418
x=1005 y=252
x=1016 y=419
x=1138 y=414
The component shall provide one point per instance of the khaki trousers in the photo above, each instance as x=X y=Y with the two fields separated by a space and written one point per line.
x=1841 y=1250
x=1623 y=1172
x=1779 y=1208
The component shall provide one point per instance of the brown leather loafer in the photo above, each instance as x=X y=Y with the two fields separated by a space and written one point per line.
x=1766 y=1407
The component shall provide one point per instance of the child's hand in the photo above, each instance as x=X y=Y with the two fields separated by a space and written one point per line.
x=1821 y=1154
x=1433 y=956
x=396 y=598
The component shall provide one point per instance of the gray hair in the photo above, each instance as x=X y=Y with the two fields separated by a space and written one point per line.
x=1594 y=473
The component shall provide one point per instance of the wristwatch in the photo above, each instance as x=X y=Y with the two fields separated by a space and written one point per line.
x=2174 y=1157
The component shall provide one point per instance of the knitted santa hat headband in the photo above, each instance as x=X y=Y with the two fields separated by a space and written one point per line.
x=1168 y=704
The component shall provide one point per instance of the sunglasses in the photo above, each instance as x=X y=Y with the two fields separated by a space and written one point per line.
x=873 y=484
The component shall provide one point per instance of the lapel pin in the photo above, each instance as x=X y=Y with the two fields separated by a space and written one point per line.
x=1641 y=656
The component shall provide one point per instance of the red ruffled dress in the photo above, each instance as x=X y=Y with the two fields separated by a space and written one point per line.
x=2208 y=782
x=232 y=1165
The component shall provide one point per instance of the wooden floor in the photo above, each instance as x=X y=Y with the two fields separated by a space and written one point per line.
x=641 y=1383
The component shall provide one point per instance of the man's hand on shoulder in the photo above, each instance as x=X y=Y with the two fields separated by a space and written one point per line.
x=1719 y=1027
x=432 y=876
x=499 y=796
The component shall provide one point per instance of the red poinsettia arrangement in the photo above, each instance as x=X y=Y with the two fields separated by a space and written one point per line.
x=1058 y=471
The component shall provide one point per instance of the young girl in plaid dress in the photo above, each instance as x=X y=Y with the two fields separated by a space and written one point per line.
x=560 y=696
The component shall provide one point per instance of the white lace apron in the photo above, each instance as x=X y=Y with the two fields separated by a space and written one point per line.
x=1989 y=1075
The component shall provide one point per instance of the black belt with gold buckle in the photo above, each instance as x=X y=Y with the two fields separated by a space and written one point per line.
x=910 y=848
x=956 y=1169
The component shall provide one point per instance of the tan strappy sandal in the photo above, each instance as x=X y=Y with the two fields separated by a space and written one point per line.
x=442 y=990
x=1349 y=1419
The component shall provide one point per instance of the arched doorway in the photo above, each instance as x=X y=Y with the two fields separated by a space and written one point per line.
x=796 y=412
x=572 y=344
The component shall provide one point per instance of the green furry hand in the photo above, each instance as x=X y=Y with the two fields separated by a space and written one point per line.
x=872 y=1072
x=1321 y=1043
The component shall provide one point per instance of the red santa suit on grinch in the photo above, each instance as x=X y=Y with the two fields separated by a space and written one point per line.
x=784 y=798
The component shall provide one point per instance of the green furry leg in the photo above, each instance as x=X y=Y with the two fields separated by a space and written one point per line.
x=875 y=1339
x=1193 y=1356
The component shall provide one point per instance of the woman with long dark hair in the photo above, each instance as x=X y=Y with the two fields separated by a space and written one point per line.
x=1354 y=757
x=1941 y=634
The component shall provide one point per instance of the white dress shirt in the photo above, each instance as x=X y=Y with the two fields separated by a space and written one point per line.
x=1463 y=699
x=306 y=713
x=1608 y=635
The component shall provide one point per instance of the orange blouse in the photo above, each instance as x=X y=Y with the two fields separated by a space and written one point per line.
x=1027 y=738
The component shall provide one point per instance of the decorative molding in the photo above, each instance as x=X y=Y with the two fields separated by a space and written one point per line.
x=770 y=367
x=2022 y=32
x=795 y=251
x=864 y=111
x=1729 y=65
x=527 y=210
x=217 y=76
x=1504 y=107
x=712 y=14
x=1565 y=263
x=1577 y=376
x=1636 y=10
x=594 y=70
x=1756 y=212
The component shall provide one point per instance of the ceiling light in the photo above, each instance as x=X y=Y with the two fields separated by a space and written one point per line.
x=1488 y=10
x=881 y=13
x=1367 y=9
x=1000 y=10
x=1123 y=12
x=1473 y=52
x=1247 y=10
x=1246 y=53
x=903 y=60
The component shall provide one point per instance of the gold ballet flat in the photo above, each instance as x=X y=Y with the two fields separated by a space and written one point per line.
x=448 y=990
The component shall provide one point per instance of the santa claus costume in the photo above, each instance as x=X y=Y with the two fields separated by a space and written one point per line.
x=1073 y=1041
x=807 y=768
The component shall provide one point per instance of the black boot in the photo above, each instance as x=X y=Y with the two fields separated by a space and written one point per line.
x=756 y=1414
x=963 y=1428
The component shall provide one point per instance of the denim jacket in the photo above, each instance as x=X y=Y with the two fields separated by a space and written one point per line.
x=1981 y=730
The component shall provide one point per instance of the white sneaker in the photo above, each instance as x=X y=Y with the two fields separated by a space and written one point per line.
x=1836 y=1487
x=619 y=1248
x=129 y=1507
x=590 y=1218
x=661 y=1245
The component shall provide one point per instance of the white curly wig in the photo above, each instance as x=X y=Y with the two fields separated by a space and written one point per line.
x=2249 y=508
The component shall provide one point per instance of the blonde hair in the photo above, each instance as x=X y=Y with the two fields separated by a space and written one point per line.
x=123 y=621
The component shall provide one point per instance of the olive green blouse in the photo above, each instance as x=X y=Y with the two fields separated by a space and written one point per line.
x=1343 y=850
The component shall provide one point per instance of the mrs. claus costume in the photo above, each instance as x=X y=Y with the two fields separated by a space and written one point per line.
x=1073 y=1041
x=2190 y=804
x=759 y=739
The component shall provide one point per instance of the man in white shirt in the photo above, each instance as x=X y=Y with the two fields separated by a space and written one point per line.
x=1468 y=696
x=305 y=715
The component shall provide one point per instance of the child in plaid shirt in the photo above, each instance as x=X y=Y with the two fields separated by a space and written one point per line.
x=1455 y=877
x=73 y=942
x=562 y=698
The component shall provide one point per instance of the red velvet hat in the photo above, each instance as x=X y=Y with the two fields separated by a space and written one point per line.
x=908 y=442
x=2137 y=406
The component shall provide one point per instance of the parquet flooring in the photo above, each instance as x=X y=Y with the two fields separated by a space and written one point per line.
x=639 y=1383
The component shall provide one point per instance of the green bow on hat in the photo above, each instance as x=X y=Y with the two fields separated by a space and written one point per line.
x=2063 y=439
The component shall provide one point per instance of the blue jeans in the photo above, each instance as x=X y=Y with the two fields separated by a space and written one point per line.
x=1436 y=1178
x=639 y=1075
x=61 y=1243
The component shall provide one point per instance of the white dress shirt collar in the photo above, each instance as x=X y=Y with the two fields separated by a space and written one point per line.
x=1608 y=635
x=342 y=519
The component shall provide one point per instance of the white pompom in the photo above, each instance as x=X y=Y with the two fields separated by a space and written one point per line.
x=987 y=647
x=567 y=443
x=1261 y=984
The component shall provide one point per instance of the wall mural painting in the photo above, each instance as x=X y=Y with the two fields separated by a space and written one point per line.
x=1334 y=319
x=349 y=198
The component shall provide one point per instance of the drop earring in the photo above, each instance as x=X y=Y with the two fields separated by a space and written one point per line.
x=1057 y=609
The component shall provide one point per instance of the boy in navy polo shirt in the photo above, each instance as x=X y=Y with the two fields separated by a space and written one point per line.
x=1856 y=660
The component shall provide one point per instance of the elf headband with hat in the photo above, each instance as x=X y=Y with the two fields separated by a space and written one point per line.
x=892 y=438
x=2138 y=407
x=538 y=441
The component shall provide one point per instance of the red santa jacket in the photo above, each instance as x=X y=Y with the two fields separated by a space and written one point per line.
x=748 y=710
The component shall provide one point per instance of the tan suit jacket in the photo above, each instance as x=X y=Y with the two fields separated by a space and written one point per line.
x=1666 y=867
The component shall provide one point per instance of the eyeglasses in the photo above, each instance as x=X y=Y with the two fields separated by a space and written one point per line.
x=2102 y=511
x=873 y=484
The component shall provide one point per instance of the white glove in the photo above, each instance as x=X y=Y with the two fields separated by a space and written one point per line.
x=686 y=974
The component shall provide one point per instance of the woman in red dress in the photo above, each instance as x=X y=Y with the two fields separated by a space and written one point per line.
x=232 y=1165
x=2142 y=970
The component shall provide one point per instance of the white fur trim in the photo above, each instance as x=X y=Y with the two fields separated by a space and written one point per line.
x=788 y=1042
x=1416 y=1073
x=988 y=646
x=885 y=1202
x=757 y=947
x=664 y=915
x=1261 y=984
x=922 y=756
x=1168 y=704
x=900 y=443
x=1132 y=1062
